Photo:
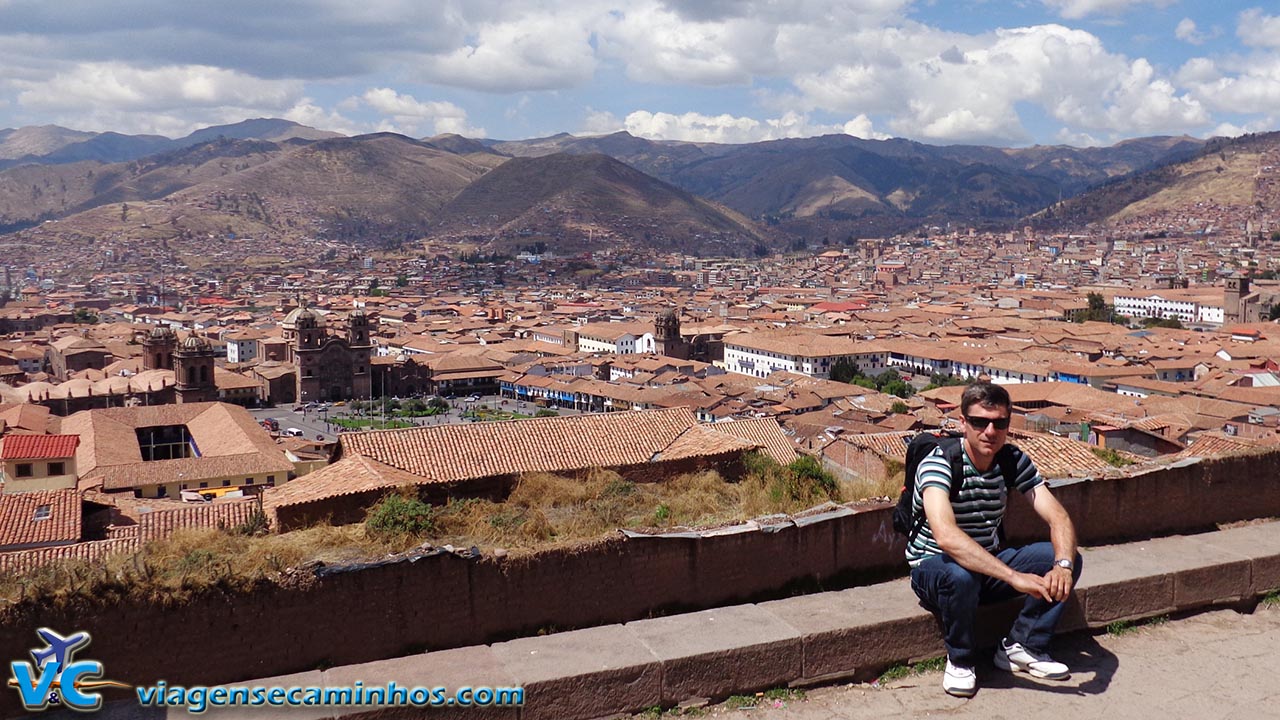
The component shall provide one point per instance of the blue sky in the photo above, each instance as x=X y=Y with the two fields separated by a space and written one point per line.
x=1078 y=72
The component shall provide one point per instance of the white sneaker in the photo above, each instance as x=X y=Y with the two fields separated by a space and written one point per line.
x=1015 y=658
x=959 y=681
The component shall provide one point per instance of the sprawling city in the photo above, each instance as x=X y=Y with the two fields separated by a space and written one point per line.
x=326 y=410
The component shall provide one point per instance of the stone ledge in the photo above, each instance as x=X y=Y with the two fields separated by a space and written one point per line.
x=611 y=670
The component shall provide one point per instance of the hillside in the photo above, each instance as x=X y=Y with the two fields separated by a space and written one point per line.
x=1230 y=173
x=37 y=140
x=52 y=145
x=581 y=201
x=379 y=190
x=841 y=185
x=33 y=193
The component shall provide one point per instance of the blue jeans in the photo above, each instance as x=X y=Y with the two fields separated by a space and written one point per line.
x=954 y=594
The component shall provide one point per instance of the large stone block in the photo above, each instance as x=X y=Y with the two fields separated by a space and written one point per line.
x=473 y=667
x=716 y=653
x=582 y=674
x=1261 y=544
x=312 y=678
x=1160 y=576
x=853 y=632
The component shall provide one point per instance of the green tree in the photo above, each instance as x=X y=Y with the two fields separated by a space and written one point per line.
x=1098 y=310
x=402 y=280
x=85 y=316
x=898 y=388
x=844 y=370
x=899 y=408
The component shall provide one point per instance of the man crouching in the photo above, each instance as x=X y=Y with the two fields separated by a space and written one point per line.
x=956 y=559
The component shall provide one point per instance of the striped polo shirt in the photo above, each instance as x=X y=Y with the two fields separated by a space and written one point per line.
x=978 y=506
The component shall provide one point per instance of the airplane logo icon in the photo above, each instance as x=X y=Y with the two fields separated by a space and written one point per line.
x=60 y=648
x=57 y=678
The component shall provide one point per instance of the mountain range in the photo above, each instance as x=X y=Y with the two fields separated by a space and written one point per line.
x=274 y=177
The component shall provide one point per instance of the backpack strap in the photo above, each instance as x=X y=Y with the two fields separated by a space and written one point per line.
x=1008 y=458
x=953 y=451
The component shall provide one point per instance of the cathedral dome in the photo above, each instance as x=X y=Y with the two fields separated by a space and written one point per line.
x=302 y=317
x=195 y=342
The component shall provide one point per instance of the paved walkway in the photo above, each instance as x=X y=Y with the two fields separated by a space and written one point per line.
x=1219 y=664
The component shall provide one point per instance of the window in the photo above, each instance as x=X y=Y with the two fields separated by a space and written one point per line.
x=57 y=468
x=23 y=470
x=43 y=512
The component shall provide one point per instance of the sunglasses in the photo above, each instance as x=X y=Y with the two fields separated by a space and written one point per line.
x=981 y=423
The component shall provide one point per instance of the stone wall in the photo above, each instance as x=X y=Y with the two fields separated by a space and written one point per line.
x=352 y=615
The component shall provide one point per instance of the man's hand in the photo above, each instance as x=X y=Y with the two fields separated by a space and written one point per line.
x=1058 y=581
x=1029 y=584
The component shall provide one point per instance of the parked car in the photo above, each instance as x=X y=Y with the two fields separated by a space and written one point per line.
x=294 y=432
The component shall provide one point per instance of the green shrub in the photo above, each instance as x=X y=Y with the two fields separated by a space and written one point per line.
x=400 y=515
x=1111 y=457
x=809 y=468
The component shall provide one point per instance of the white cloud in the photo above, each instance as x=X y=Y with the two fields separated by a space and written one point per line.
x=1258 y=30
x=120 y=86
x=657 y=45
x=696 y=127
x=171 y=100
x=973 y=94
x=1077 y=9
x=860 y=127
x=306 y=112
x=410 y=116
x=1227 y=129
x=1066 y=136
x=600 y=122
x=531 y=52
x=1237 y=85
x=1188 y=32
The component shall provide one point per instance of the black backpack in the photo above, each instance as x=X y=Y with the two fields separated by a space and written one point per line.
x=905 y=520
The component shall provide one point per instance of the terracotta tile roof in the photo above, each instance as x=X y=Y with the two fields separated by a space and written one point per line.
x=39 y=447
x=60 y=524
x=26 y=560
x=230 y=442
x=700 y=441
x=1058 y=457
x=225 y=514
x=446 y=453
x=1213 y=444
x=348 y=476
x=1055 y=457
x=765 y=433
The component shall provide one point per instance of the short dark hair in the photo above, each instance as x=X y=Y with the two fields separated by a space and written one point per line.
x=986 y=394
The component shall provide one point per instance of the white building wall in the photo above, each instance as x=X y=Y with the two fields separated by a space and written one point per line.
x=1211 y=315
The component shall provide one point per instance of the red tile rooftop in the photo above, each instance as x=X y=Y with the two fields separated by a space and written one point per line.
x=38 y=447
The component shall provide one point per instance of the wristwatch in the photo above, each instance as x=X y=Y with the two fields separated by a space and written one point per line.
x=1063 y=563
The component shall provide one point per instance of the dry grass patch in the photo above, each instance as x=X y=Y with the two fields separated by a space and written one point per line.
x=542 y=511
x=171 y=571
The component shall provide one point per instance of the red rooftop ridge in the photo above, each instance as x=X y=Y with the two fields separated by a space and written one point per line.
x=38 y=447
